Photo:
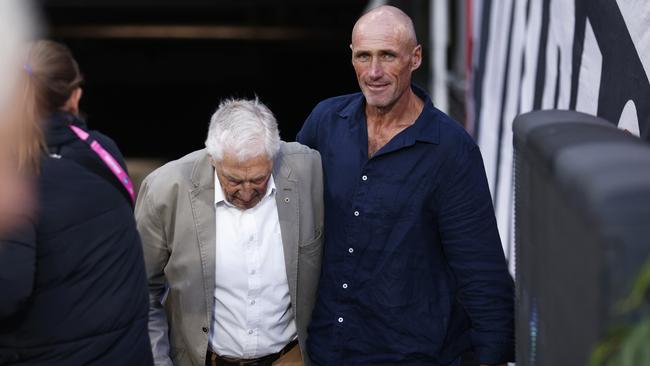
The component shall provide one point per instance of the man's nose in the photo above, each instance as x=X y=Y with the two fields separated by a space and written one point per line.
x=376 y=71
x=246 y=194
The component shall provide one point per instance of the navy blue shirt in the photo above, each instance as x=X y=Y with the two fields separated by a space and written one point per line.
x=413 y=269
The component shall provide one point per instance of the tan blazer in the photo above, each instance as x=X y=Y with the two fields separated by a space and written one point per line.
x=175 y=214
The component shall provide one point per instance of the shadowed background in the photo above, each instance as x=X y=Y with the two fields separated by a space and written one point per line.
x=155 y=73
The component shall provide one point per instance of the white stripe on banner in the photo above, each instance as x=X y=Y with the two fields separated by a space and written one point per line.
x=488 y=138
x=438 y=15
x=590 y=70
x=559 y=52
x=505 y=193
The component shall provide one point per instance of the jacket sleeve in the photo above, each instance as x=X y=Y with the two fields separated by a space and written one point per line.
x=17 y=267
x=308 y=134
x=156 y=255
x=473 y=249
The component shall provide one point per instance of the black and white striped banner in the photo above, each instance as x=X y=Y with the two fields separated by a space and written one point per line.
x=587 y=55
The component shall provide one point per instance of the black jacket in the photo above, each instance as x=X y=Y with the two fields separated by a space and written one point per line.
x=72 y=279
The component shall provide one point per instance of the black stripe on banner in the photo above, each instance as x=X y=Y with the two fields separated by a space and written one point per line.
x=558 y=77
x=578 y=47
x=523 y=60
x=486 y=15
x=504 y=98
x=620 y=58
x=541 y=56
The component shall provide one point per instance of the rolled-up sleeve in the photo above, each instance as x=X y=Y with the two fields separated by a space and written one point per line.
x=473 y=248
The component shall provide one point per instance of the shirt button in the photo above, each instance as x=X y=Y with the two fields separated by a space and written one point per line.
x=250 y=331
x=356 y=213
x=204 y=329
x=252 y=271
x=364 y=177
x=340 y=320
x=252 y=302
x=345 y=285
x=351 y=250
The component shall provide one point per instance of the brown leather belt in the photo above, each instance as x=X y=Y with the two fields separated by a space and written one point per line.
x=213 y=359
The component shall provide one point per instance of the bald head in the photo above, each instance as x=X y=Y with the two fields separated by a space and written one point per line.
x=387 y=18
x=384 y=55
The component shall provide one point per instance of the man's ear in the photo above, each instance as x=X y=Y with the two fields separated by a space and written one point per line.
x=416 y=58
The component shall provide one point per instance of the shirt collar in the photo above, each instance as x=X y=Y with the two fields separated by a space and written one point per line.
x=219 y=196
x=426 y=127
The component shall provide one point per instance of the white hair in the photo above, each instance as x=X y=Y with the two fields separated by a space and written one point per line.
x=244 y=128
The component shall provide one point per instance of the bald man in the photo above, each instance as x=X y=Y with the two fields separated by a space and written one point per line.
x=413 y=268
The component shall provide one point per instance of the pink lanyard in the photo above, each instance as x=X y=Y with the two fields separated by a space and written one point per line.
x=108 y=159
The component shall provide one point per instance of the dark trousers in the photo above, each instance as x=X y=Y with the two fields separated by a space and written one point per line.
x=469 y=359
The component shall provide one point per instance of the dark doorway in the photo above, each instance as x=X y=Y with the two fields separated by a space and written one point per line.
x=156 y=70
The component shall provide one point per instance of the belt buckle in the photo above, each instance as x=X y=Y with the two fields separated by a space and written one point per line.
x=260 y=361
x=256 y=362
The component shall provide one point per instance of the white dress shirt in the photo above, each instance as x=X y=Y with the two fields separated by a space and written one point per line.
x=252 y=314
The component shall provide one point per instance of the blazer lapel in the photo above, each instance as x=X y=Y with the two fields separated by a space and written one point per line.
x=203 y=212
x=287 y=200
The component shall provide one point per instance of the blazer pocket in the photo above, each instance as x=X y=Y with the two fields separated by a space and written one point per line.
x=313 y=245
x=176 y=354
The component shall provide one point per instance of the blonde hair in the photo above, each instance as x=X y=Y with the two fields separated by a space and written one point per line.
x=50 y=75
x=26 y=129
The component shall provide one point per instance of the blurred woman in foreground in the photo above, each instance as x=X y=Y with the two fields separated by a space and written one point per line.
x=72 y=275
x=16 y=25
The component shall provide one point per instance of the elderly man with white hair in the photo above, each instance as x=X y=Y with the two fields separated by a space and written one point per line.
x=232 y=238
